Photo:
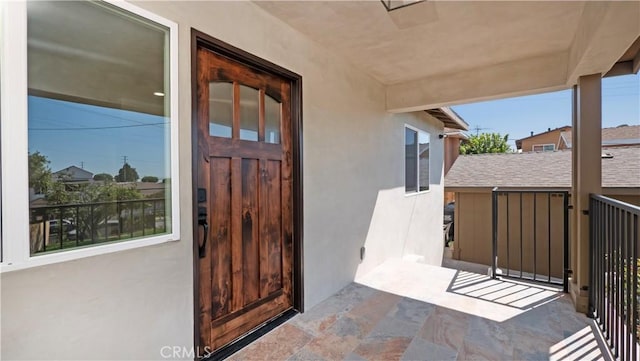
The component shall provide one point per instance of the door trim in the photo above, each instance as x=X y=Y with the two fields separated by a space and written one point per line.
x=200 y=39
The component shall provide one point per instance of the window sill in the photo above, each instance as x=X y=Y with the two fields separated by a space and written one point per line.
x=417 y=193
x=74 y=254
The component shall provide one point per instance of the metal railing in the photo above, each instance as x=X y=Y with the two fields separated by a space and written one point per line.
x=614 y=264
x=65 y=226
x=528 y=226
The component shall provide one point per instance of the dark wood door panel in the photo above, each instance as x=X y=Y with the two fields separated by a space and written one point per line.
x=220 y=236
x=245 y=274
x=271 y=235
x=250 y=230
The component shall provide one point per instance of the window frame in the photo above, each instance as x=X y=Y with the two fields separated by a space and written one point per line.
x=404 y=163
x=14 y=144
x=543 y=145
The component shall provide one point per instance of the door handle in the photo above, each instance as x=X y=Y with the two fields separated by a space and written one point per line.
x=202 y=221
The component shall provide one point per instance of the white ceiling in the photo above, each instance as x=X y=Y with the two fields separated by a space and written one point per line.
x=427 y=52
x=453 y=35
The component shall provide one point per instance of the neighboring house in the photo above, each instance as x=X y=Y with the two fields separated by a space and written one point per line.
x=473 y=177
x=454 y=134
x=283 y=127
x=560 y=138
x=620 y=136
x=542 y=142
x=452 y=141
x=72 y=174
x=148 y=189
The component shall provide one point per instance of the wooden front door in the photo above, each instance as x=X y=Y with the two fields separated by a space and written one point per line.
x=244 y=196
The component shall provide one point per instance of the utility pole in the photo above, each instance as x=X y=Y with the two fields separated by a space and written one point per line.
x=478 y=129
x=82 y=164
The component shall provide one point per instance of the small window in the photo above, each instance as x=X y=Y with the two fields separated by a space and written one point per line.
x=99 y=132
x=416 y=159
x=544 y=148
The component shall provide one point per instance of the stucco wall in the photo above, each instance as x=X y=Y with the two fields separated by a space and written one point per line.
x=128 y=305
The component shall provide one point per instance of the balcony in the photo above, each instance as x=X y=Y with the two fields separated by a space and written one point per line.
x=411 y=311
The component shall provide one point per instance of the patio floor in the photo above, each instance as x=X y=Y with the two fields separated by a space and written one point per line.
x=410 y=311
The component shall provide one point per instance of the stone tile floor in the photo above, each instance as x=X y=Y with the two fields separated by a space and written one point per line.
x=410 y=311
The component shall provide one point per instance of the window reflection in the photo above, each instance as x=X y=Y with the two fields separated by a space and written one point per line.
x=98 y=120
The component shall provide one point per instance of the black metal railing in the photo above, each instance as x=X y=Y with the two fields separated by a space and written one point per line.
x=55 y=227
x=614 y=265
x=531 y=235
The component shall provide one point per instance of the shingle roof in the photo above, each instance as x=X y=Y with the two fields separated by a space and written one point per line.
x=540 y=169
x=621 y=135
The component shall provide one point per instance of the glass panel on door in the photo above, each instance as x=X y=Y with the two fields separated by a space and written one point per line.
x=249 y=113
x=272 y=116
x=220 y=109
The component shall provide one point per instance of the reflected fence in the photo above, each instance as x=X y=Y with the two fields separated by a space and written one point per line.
x=55 y=227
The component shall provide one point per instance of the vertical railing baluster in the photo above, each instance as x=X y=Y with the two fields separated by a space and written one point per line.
x=616 y=296
x=609 y=272
x=60 y=225
x=93 y=230
x=508 y=228
x=494 y=223
x=521 y=265
x=130 y=220
x=164 y=215
x=565 y=242
x=535 y=237
x=119 y=211
x=626 y=283
x=549 y=237
x=106 y=222
x=593 y=238
x=154 y=217
x=77 y=225
x=636 y=244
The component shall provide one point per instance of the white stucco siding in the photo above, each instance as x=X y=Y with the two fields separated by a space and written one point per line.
x=128 y=305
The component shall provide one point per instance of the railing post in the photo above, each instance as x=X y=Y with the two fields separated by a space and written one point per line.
x=565 y=213
x=494 y=219
x=592 y=244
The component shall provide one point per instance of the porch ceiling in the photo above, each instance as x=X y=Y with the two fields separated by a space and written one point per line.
x=439 y=53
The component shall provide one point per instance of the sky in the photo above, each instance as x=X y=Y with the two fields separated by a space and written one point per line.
x=97 y=138
x=520 y=116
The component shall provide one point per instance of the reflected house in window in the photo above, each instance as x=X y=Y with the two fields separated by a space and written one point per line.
x=72 y=174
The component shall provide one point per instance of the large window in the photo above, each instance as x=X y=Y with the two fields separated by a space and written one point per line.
x=100 y=150
x=416 y=160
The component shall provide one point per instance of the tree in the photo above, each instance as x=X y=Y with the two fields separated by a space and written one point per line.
x=39 y=173
x=105 y=177
x=127 y=174
x=486 y=143
x=149 y=179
